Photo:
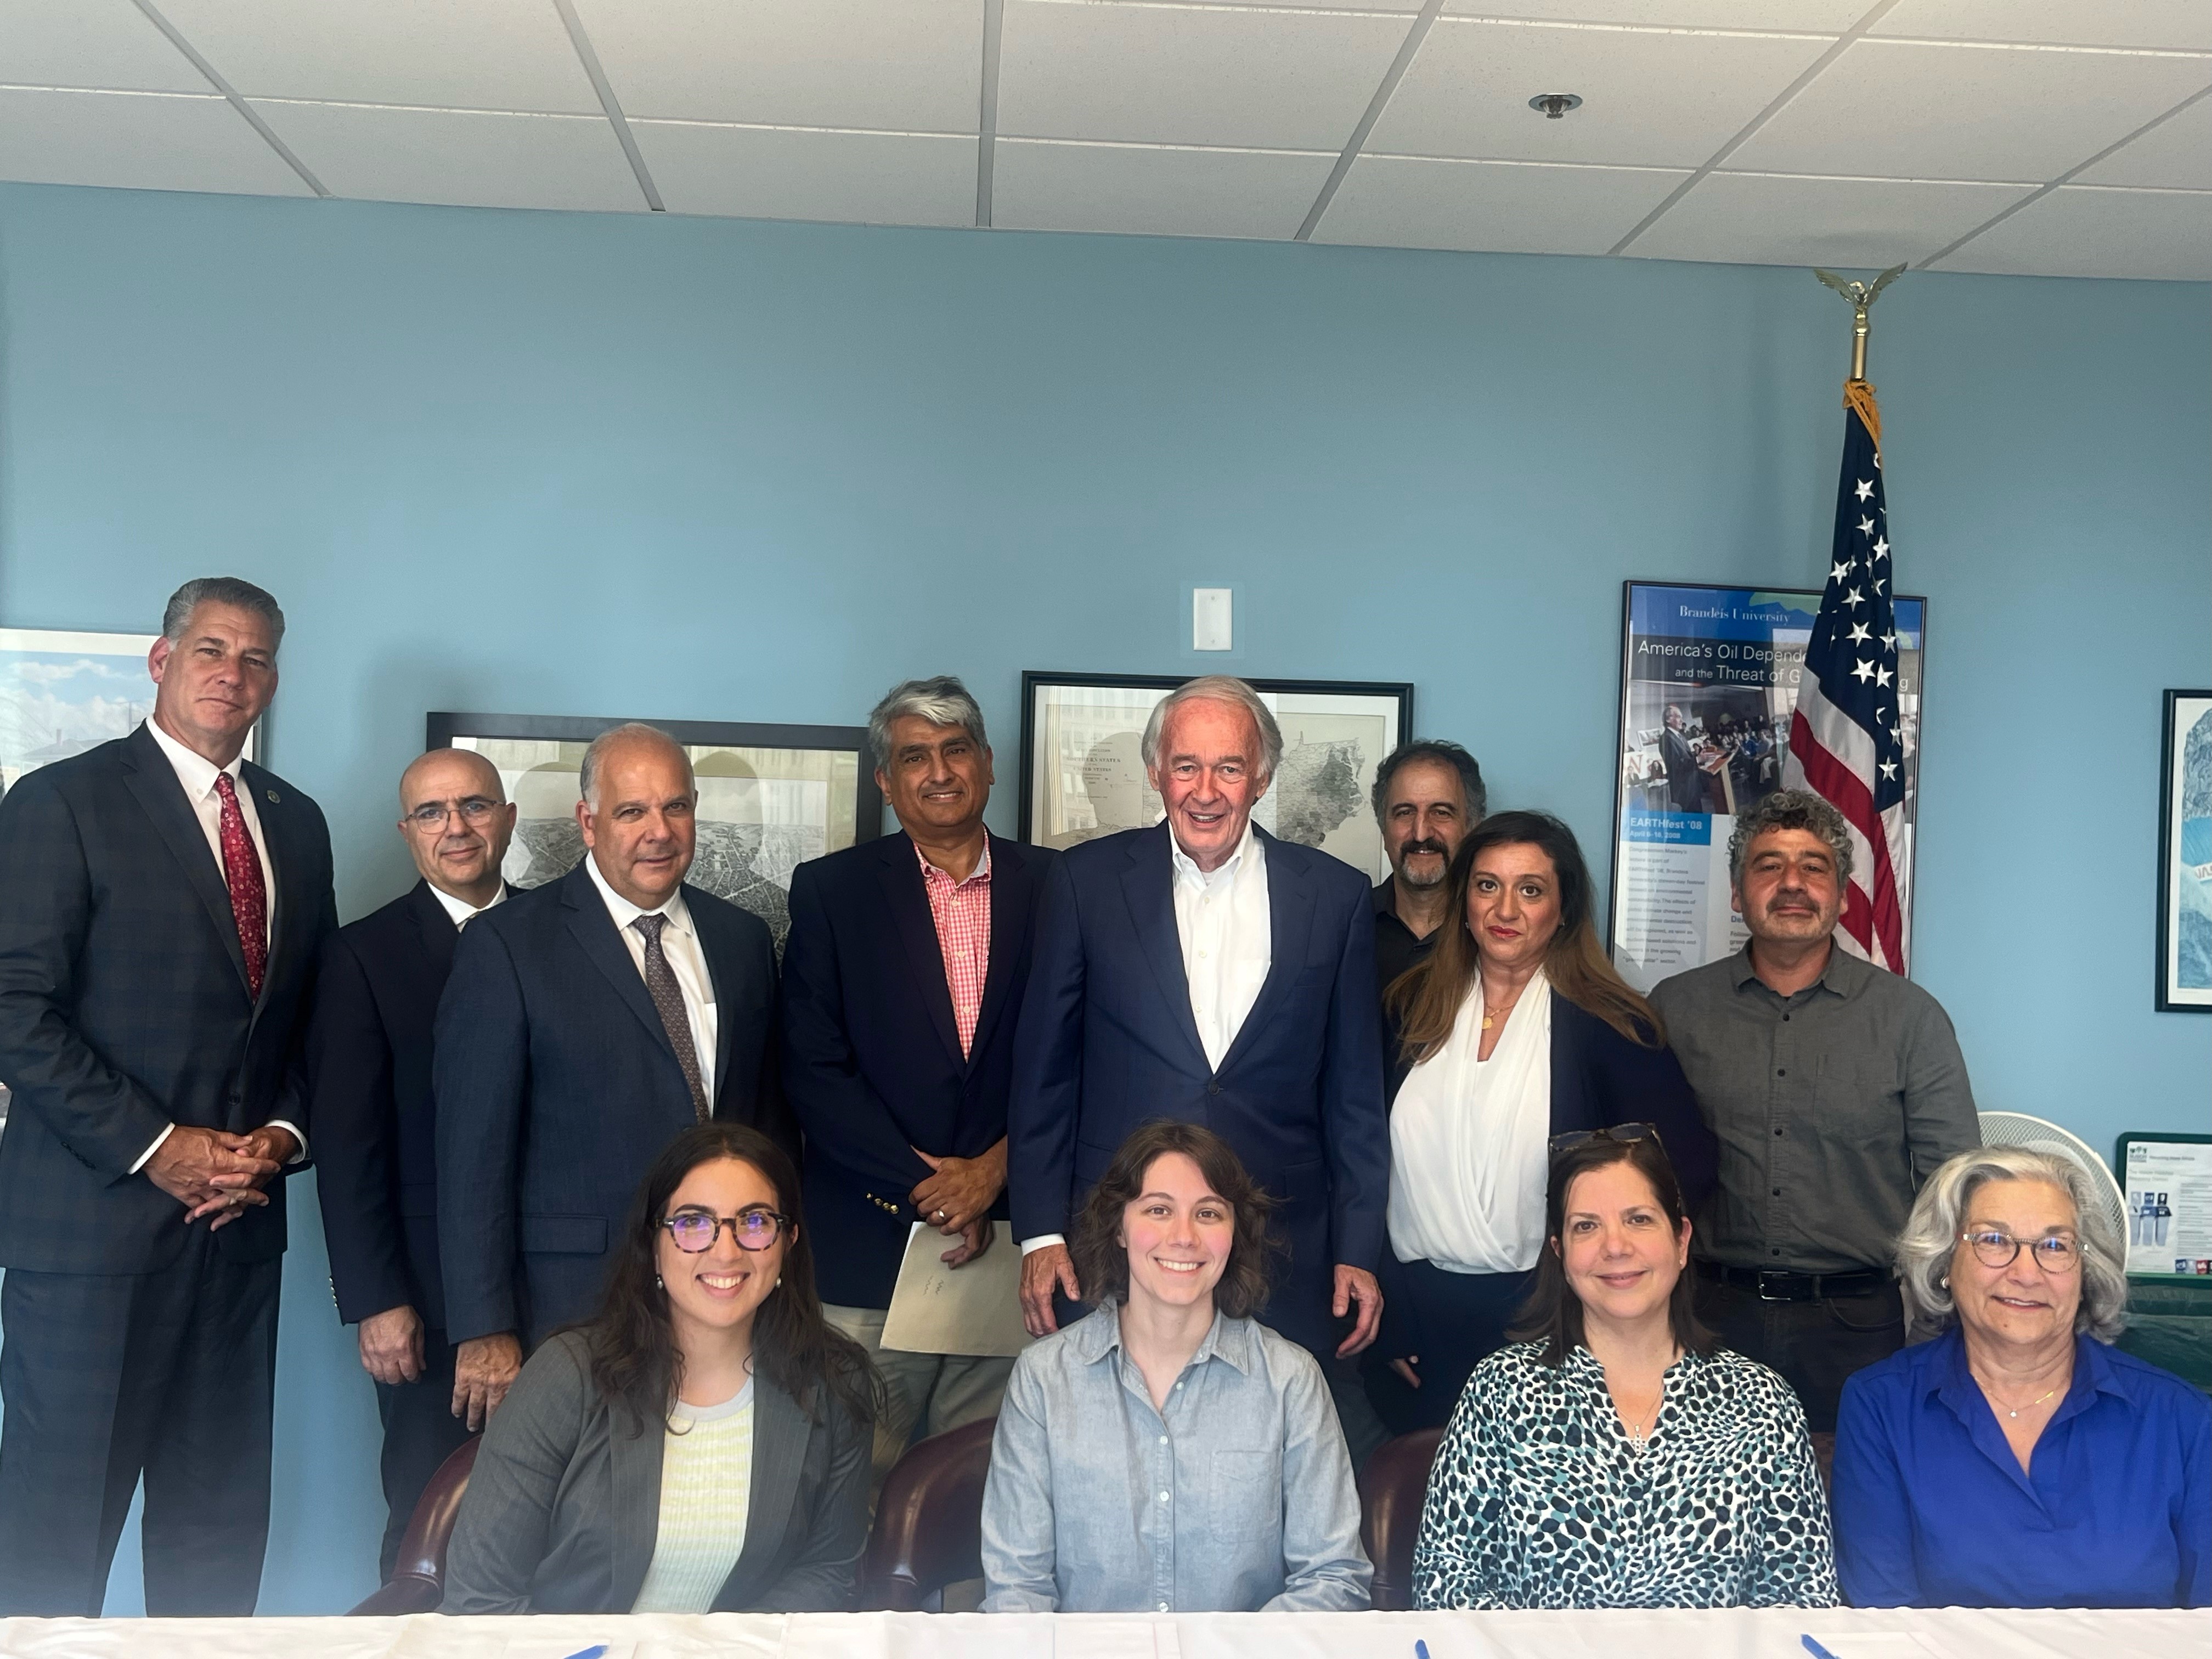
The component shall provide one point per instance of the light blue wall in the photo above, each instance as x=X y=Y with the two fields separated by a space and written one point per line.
x=708 y=470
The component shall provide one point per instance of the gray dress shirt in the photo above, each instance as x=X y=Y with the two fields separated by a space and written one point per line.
x=1830 y=1107
x=1238 y=1497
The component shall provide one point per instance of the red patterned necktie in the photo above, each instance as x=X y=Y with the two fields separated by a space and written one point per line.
x=241 y=873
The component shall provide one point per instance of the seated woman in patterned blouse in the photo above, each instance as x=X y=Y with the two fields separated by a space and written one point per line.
x=1615 y=1457
x=1167 y=1453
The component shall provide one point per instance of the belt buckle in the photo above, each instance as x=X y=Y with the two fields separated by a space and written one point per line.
x=1778 y=1294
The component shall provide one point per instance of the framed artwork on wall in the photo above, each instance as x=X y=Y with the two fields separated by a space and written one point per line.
x=63 y=692
x=1708 y=683
x=1083 y=772
x=2185 y=854
x=770 y=797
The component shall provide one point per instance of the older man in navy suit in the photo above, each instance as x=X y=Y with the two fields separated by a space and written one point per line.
x=586 y=1022
x=1203 y=970
x=162 y=903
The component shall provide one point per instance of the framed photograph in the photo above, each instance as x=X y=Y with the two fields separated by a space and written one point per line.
x=1708 y=683
x=2185 y=854
x=62 y=693
x=770 y=797
x=1083 y=772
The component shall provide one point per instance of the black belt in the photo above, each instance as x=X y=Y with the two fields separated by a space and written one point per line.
x=1773 y=1285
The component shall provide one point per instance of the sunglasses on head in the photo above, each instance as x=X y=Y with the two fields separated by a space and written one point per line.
x=1621 y=1134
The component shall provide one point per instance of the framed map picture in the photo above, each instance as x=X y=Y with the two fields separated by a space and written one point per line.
x=2185 y=854
x=1083 y=771
x=770 y=797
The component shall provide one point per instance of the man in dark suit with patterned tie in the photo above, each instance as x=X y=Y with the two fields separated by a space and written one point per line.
x=368 y=1062
x=585 y=1022
x=162 y=905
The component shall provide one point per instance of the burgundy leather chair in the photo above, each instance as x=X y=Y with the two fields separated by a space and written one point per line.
x=418 y=1583
x=1824 y=1453
x=1393 y=1486
x=929 y=1521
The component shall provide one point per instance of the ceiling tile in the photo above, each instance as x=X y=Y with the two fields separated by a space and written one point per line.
x=2090 y=231
x=466 y=54
x=776 y=172
x=1509 y=207
x=1174 y=75
x=1649 y=97
x=137 y=141
x=462 y=158
x=894 y=65
x=89 y=43
x=1760 y=218
x=1896 y=109
x=1819 y=16
x=2182 y=23
x=2177 y=153
x=1403 y=7
x=1149 y=191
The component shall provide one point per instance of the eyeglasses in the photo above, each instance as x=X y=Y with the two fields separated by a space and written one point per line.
x=695 y=1231
x=433 y=814
x=2053 y=1253
x=1623 y=1133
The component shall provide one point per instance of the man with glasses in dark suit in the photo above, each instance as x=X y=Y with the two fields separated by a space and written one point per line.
x=162 y=905
x=369 y=1050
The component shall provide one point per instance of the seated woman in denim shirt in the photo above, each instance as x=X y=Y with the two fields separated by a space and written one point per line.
x=1166 y=1453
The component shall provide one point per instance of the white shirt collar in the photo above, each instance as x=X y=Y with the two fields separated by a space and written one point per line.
x=981 y=872
x=195 y=771
x=1187 y=867
x=461 y=910
x=624 y=912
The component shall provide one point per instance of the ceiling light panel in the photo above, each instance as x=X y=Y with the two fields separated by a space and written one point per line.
x=1186 y=75
x=889 y=65
x=1648 y=98
x=137 y=141
x=1503 y=207
x=1151 y=191
x=2181 y=23
x=456 y=54
x=1900 y=109
x=2091 y=231
x=1760 y=218
x=89 y=43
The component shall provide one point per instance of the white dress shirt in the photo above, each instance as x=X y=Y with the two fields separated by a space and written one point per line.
x=197 y=773
x=1470 y=1143
x=461 y=910
x=679 y=943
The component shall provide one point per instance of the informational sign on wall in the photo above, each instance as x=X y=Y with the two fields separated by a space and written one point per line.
x=2168 y=1181
x=1708 y=681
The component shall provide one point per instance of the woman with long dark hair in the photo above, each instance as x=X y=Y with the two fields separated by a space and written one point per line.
x=1514 y=1029
x=703 y=1444
x=1617 y=1456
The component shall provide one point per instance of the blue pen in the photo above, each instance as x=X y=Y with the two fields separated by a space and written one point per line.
x=1420 y=1649
x=596 y=1651
x=1816 y=1649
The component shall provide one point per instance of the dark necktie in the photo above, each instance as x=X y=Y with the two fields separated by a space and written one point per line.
x=668 y=997
x=242 y=873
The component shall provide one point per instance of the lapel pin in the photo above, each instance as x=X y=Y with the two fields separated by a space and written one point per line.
x=274 y=799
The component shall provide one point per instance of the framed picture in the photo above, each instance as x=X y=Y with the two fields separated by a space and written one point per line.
x=1708 y=683
x=1083 y=772
x=2168 y=1176
x=2185 y=854
x=770 y=797
x=62 y=693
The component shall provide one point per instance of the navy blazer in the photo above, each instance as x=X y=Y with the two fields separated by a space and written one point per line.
x=1107 y=1041
x=557 y=1087
x=368 y=1062
x=123 y=1004
x=871 y=1061
x=1598 y=1078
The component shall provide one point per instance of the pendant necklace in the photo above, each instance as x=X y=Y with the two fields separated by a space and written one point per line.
x=2031 y=1404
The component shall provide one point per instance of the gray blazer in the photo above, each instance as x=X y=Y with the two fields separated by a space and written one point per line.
x=561 y=1513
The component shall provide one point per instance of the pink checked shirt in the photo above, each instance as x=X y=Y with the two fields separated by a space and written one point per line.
x=962 y=910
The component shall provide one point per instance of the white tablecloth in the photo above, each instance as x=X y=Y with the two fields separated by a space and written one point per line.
x=1953 y=1633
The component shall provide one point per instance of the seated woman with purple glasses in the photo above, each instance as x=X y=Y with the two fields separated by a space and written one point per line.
x=1616 y=1457
x=703 y=1444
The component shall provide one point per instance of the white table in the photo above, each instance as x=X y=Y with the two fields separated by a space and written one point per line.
x=1953 y=1633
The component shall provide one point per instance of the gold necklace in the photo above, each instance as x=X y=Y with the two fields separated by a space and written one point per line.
x=1492 y=1015
x=1990 y=1395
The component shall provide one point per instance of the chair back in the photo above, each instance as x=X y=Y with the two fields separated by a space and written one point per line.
x=1824 y=1453
x=418 y=1583
x=1393 y=1485
x=929 y=1521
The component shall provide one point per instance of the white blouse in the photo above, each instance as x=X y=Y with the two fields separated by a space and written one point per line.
x=705 y=1497
x=1469 y=1143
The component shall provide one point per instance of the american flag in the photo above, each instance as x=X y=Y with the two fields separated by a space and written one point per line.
x=1847 y=736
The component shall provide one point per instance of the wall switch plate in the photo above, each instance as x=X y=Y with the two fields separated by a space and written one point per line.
x=1209 y=619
